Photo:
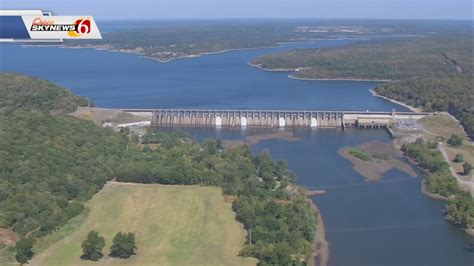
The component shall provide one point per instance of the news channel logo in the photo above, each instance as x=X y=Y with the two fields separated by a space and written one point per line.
x=39 y=26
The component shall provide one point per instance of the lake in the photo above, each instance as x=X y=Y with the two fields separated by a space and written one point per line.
x=389 y=222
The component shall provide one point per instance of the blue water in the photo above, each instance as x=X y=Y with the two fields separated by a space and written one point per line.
x=389 y=222
x=214 y=81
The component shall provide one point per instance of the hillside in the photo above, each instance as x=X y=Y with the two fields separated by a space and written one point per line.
x=435 y=73
x=49 y=162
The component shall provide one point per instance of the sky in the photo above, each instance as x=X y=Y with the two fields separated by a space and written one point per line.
x=215 y=9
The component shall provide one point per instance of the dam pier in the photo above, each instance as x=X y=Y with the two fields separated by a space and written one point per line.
x=274 y=118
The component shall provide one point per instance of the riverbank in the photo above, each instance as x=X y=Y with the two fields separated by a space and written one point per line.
x=411 y=108
x=425 y=191
x=313 y=79
x=320 y=255
x=339 y=79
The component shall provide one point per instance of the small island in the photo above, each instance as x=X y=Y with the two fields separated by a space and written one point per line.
x=373 y=159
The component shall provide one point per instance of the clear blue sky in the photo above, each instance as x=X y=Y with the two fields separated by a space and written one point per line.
x=166 y=9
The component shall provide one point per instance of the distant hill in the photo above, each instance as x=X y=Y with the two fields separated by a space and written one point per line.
x=168 y=40
x=26 y=93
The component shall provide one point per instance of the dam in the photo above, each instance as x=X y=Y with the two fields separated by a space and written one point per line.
x=274 y=118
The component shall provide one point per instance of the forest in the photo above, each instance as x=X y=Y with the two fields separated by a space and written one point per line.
x=434 y=73
x=460 y=207
x=51 y=163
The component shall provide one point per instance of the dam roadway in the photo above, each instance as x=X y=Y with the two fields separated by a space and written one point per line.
x=274 y=118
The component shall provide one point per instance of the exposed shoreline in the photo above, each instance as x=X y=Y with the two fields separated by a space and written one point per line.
x=314 y=79
x=425 y=191
x=411 y=108
x=320 y=255
x=340 y=79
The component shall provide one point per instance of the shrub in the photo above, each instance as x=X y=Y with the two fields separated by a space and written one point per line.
x=459 y=158
x=455 y=140
x=381 y=156
x=467 y=168
x=360 y=153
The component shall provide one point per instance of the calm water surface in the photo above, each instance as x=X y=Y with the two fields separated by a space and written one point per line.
x=215 y=81
x=389 y=222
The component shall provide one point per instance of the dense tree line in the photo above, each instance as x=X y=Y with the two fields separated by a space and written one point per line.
x=460 y=207
x=50 y=163
x=434 y=73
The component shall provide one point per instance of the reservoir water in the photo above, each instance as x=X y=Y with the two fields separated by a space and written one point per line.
x=389 y=222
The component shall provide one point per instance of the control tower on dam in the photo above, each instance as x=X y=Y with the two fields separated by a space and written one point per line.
x=274 y=118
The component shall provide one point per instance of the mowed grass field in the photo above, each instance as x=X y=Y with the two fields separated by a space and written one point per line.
x=173 y=225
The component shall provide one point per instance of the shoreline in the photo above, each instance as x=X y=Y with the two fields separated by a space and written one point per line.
x=314 y=79
x=320 y=254
x=411 y=108
x=425 y=191
x=340 y=79
x=141 y=55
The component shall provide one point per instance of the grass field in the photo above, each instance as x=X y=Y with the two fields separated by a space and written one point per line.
x=173 y=225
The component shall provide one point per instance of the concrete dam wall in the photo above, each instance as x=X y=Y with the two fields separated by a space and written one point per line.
x=246 y=118
x=274 y=118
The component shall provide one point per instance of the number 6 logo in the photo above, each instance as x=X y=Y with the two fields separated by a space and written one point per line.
x=83 y=26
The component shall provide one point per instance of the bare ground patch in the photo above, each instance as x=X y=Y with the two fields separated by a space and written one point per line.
x=101 y=115
x=7 y=238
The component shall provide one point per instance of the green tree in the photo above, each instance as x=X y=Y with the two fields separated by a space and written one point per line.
x=123 y=245
x=455 y=140
x=92 y=246
x=459 y=158
x=467 y=168
x=24 y=250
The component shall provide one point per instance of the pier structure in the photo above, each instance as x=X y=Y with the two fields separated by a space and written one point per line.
x=274 y=118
